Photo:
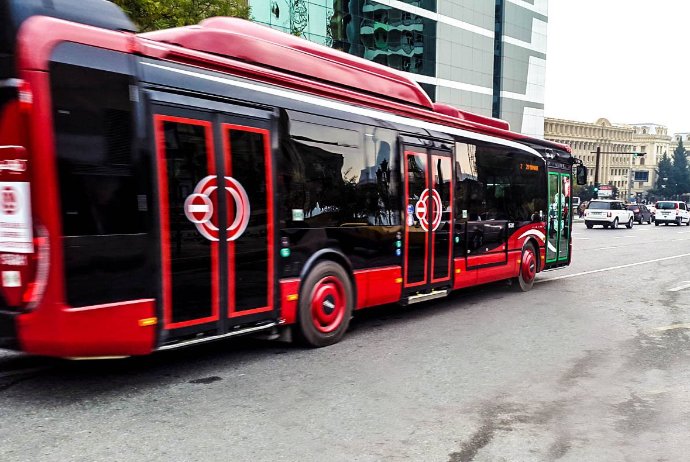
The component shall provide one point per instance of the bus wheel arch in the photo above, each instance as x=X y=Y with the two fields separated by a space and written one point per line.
x=326 y=302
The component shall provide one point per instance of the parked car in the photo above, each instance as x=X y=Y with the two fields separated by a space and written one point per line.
x=609 y=213
x=576 y=204
x=672 y=212
x=641 y=213
x=652 y=210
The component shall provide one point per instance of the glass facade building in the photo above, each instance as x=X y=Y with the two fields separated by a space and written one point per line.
x=484 y=56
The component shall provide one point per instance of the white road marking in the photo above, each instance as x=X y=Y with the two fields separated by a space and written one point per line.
x=640 y=243
x=672 y=327
x=686 y=285
x=614 y=268
x=624 y=237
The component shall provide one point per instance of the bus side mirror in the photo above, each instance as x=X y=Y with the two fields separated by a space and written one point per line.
x=581 y=175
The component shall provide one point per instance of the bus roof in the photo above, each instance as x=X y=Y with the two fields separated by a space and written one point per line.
x=255 y=43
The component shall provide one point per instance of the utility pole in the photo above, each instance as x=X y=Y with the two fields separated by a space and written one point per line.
x=596 y=167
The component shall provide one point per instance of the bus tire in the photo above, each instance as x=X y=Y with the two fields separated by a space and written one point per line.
x=528 y=268
x=326 y=303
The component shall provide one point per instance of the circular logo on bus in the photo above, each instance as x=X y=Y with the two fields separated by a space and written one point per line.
x=199 y=208
x=10 y=200
x=422 y=211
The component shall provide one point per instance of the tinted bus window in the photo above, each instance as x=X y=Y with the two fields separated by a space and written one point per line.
x=335 y=177
x=94 y=137
x=494 y=183
x=104 y=204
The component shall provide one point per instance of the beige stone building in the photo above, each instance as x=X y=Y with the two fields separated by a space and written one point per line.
x=654 y=140
x=584 y=138
x=674 y=142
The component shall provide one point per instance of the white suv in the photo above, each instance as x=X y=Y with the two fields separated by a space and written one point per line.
x=608 y=213
x=671 y=212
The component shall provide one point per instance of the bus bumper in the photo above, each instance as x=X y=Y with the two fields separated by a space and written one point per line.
x=116 y=329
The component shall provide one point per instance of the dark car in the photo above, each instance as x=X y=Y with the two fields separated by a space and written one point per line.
x=642 y=213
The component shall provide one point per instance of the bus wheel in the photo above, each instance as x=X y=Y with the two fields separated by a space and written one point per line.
x=325 y=305
x=528 y=268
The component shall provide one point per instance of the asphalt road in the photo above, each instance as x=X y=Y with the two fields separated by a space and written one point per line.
x=592 y=365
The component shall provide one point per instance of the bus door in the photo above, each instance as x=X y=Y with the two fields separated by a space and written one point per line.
x=215 y=188
x=559 y=219
x=429 y=213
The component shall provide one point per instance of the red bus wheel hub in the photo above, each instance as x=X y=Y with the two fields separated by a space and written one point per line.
x=328 y=304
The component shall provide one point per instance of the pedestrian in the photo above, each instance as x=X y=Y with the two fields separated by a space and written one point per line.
x=581 y=210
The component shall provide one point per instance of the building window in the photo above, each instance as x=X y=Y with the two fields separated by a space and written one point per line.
x=642 y=176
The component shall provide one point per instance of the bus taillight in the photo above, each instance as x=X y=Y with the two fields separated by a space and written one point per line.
x=26 y=97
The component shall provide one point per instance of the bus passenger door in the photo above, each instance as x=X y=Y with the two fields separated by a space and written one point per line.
x=250 y=259
x=428 y=219
x=559 y=219
x=215 y=188
x=188 y=201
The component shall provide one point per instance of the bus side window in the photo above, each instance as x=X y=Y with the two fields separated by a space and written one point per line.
x=337 y=177
x=469 y=192
x=495 y=183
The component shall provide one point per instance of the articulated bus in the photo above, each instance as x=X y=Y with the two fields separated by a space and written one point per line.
x=185 y=185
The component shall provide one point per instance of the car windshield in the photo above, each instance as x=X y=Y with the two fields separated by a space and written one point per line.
x=599 y=206
x=665 y=205
x=633 y=207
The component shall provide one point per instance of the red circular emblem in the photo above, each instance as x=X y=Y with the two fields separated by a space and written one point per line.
x=199 y=208
x=422 y=211
x=10 y=200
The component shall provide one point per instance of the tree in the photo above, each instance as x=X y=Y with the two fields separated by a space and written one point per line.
x=680 y=174
x=151 y=15
x=585 y=193
x=664 y=177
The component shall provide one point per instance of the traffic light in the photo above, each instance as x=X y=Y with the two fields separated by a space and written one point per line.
x=639 y=154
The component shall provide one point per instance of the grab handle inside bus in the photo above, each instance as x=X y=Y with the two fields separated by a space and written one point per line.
x=581 y=175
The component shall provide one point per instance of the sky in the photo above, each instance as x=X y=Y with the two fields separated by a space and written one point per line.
x=624 y=60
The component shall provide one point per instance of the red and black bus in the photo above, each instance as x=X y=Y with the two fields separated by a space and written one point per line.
x=185 y=185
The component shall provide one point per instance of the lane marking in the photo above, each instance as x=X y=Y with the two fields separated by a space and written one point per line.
x=601 y=270
x=624 y=237
x=686 y=285
x=621 y=246
x=672 y=327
